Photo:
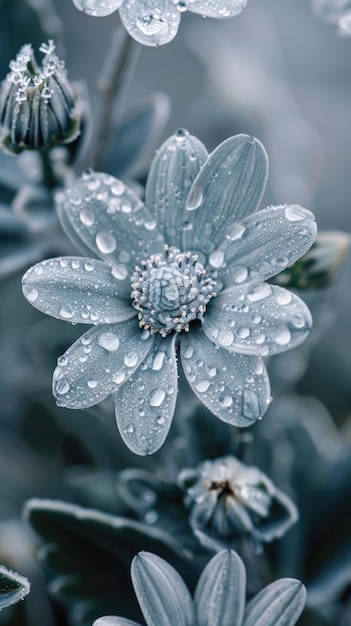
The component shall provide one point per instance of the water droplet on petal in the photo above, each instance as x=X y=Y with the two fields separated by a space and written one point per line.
x=282 y=336
x=294 y=213
x=92 y=384
x=105 y=242
x=87 y=217
x=235 y=231
x=157 y=396
x=251 y=406
x=31 y=293
x=119 y=272
x=158 y=360
x=217 y=258
x=225 y=400
x=188 y=352
x=109 y=341
x=202 y=385
x=239 y=273
x=194 y=198
x=258 y=291
x=66 y=311
x=130 y=360
x=225 y=337
x=61 y=386
x=284 y=297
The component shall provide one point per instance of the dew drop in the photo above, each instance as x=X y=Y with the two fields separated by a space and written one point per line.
x=61 y=386
x=202 y=385
x=31 y=293
x=87 y=217
x=105 y=242
x=188 y=352
x=157 y=396
x=130 y=360
x=194 y=198
x=66 y=311
x=251 y=406
x=119 y=377
x=235 y=231
x=119 y=272
x=225 y=337
x=158 y=360
x=117 y=188
x=225 y=400
x=258 y=291
x=294 y=213
x=217 y=258
x=282 y=336
x=243 y=333
x=239 y=273
x=109 y=341
x=284 y=297
x=92 y=384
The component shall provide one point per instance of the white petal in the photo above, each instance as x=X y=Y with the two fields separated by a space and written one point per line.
x=110 y=219
x=257 y=319
x=171 y=175
x=216 y=8
x=99 y=363
x=145 y=404
x=76 y=289
x=151 y=22
x=98 y=8
x=279 y=604
x=234 y=387
x=262 y=245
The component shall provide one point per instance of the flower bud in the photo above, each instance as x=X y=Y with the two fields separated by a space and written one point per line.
x=317 y=268
x=228 y=500
x=37 y=104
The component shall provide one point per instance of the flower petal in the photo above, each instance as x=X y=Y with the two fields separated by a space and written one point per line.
x=257 y=319
x=145 y=404
x=220 y=593
x=161 y=592
x=151 y=22
x=112 y=620
x=98 y=363
x=279 y=604
x=98 y=8
x=262 y=245
x=172 y=173
x=234 y=387
x=110 y=219
x=229 y=186
x=77 y=289
x=216 y=8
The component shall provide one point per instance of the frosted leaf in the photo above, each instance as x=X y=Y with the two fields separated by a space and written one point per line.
x=161 y=592
x=97 y=8
x=145 y=404
x=216 y=8
x=77 y=289
x=272 y=240
x=110 y=219
x=229 y=186
x=234 y=387
x=171 y=175
x=281 y=603
x=257 y=319
x=220 y=592
x=98 y=363
x=13 y=587
x=151 y=22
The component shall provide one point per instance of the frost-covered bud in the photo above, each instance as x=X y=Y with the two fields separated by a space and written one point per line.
x=317 y=268
x=227 y=500
x=37 y=103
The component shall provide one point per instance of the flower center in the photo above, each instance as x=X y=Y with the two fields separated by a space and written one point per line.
x=170 y=290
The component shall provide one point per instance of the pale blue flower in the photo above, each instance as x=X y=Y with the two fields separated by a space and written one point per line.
x=219 y=598
x=156 y=22
x=193 y=258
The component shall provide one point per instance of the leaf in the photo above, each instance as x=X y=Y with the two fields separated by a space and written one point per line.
x=13 y=587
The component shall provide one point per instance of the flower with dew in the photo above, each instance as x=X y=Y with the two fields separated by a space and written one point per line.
x=186 y=268
x=228 y=499
x=156 y=22
x=335 y=12
x=37 y=103
x=219 y=597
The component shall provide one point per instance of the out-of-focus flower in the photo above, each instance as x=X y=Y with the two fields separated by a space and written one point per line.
x=219 y=596
x=13 y=587
x=317 y=268
x=37 y=103
x=198 y=236
x=335 y=12
x=156 y=23
x=228 y=499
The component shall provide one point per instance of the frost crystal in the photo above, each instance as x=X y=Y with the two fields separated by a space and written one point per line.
x=161 y=264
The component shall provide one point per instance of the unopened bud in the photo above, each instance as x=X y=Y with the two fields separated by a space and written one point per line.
x=37 y=104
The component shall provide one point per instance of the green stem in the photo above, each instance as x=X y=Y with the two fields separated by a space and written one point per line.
x=49 y=178
x=116 y=76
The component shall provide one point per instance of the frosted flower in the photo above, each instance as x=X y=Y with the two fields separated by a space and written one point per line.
x=219 y=597
x=193 y=258
x=156 y=22
x=37 y=104
x=227 y=499
x=335 y=12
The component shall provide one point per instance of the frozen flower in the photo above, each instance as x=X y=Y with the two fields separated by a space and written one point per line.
x=228 y=499
x=219 y=597
x=193 y=258
x=335 y=12
x=37 y=104
x=156 y=22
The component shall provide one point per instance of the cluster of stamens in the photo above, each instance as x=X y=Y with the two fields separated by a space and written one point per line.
x=170 y=290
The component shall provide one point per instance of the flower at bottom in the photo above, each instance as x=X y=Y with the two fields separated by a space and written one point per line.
x=228 y=499
x=188 y=268
x=219 y=597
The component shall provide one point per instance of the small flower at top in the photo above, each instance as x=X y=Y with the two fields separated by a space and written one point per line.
x=156 y=22
x=37 y=103
x=228 y=499
x=188 y=269
x=219 y=598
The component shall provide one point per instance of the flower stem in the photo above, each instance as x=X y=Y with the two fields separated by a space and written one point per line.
x=49 y=178
x=117 y=73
